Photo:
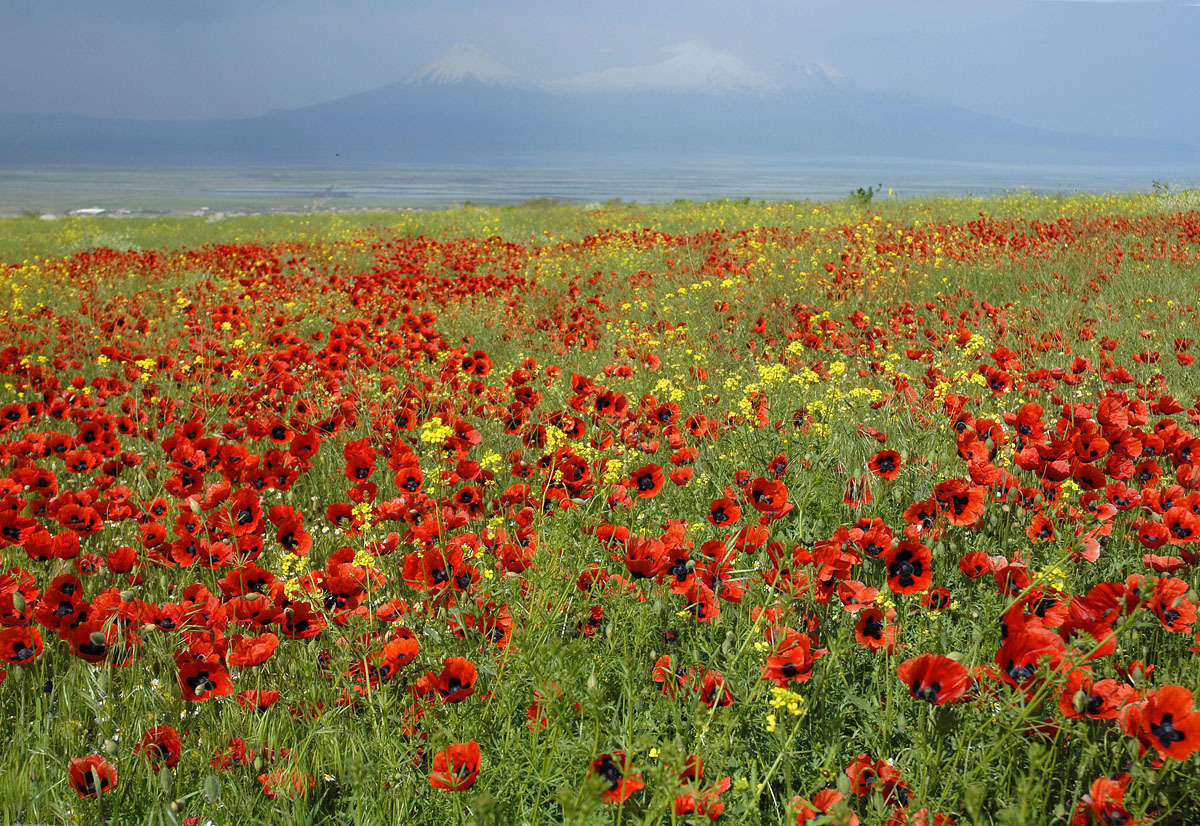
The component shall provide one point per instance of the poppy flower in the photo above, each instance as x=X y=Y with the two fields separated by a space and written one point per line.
x=647 y=481
x=199 y=680
x=871 y=632
x=613 y=768
x=793 y=664
x=1166 y=722
x=456 y=767
x=457 y=680
x=821 y=805
x=161 y=747
x=935 y=679
x=702 y=602
x=20 y=645
x=724 y=512
x=92 y=775
x=645 y=557
x=1103 y=805
x=1099 y=700
x=909 y=567
x=960 y=501
x=257 y=700
x=281 y=782
x=714 y=690
x=886 y=464
x=1172 y=607
x=768 y=495
x=251 y=651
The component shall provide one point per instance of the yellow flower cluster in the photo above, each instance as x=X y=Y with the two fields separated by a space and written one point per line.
x=782 y=698
x=435 y=431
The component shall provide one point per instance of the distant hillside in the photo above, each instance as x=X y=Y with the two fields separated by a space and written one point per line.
x=466 y=107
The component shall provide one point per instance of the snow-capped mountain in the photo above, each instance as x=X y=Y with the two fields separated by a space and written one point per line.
x=468 y=107
x=464 y=62
x=811 y=77
x=692 y=67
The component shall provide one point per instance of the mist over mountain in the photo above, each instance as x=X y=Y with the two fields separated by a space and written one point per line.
x=467 y=107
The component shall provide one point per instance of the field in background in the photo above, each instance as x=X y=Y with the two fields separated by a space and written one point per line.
x=878 y=511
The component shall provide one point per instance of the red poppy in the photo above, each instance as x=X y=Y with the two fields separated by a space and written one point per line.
x=1171 y=605
x=724 y=512
x=909 y=567
x=20 y=645
x=873 y=633
x=290 y=784
x=613 y=768
x=1166 y=722
x=251 y=651
x=768 y=496
x=456 y=767
x=199 y=680
x=714 y=690
x=457 y=680
x=885 y=463
x=823 y=803
x=92 y=775
x=933 y=678
x=1099 y=700
x=960 y=501
x=1103 y=804
x=645 y=557
x=647 y=481
x=161 y=747
x=794 y=664
x=257 y=700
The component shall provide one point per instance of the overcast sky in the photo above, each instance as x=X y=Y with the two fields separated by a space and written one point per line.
x=1098 y=66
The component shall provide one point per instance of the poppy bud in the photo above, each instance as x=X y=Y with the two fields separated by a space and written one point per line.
x=591 y=682
x=176 y=806
x=194 y=504
x=97 y=638
x=258 y=763
x=110 y=747
x=127 y=596
x=18 y=602
x=1079 y=701
x=165 y=782
x=212 y=789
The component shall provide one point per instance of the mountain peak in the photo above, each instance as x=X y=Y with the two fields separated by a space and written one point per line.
x=463 y=62
x=691 y=67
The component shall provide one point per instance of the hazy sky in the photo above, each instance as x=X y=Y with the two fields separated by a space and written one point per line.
x=1099 y=66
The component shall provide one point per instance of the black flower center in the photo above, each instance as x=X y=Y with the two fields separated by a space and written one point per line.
x=1165 y=731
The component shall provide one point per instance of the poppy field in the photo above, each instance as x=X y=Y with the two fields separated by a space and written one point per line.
x=733 y=512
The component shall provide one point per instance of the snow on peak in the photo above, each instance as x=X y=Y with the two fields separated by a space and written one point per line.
x=463 y=62
x=692 y=67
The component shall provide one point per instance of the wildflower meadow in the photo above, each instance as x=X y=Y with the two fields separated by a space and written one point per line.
x=870 y=512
